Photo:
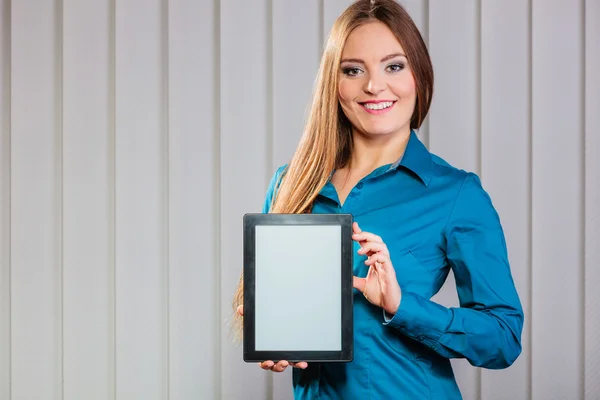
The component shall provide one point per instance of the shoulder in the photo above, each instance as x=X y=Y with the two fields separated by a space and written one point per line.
x=471 y=202
x=279 y=173
x=276 y=179
x=466 y=185
x=281 y=170
x=443 y=170
x=273 y=186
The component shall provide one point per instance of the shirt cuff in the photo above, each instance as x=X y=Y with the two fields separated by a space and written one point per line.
x=419 y=318
x=387 y=317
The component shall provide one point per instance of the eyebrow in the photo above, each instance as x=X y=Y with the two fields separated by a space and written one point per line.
x=384 y=59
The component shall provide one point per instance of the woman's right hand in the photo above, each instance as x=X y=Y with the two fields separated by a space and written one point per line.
x=270 y=365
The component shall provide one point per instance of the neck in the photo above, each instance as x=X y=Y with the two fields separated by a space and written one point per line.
x=372 y=151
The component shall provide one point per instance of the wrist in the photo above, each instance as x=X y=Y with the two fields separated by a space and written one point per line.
x=393 y=308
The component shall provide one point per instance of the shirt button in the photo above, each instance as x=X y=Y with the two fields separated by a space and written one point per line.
x=359 y=186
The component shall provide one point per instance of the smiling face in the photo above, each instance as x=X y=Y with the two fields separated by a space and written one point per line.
x=376 y=86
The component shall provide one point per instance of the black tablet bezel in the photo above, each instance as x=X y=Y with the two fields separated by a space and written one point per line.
x=346 y=354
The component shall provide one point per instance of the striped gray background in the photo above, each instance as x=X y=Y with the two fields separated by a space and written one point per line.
x=135 y=134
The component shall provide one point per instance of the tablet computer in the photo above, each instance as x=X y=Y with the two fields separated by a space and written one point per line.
x=298 y=302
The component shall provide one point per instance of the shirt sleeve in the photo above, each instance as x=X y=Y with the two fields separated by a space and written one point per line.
x=486 y=328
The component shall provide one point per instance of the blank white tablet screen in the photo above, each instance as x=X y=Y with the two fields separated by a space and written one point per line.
x=298 y=288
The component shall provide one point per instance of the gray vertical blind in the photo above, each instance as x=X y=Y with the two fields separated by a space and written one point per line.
x=134 y=135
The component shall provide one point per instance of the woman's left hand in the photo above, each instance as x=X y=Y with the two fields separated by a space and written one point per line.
x=380 y=287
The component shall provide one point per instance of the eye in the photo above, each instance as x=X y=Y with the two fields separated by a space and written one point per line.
x=351 y=71
x=395 y=67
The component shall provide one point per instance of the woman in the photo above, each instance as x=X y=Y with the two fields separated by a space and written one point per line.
x=416 y=217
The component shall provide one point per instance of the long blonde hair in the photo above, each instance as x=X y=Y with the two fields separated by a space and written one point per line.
x=326 y=143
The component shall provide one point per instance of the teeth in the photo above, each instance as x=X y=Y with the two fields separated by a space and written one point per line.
x=378 y=106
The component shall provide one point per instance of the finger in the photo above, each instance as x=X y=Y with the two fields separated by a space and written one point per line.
x=366 y=237
x=280 y=366
x=356 y=230
x=374 y=247
x=359 y=283
x=378 y=258
x=267 y=364
x=240 y=310
x=373 y=271
x=301 y=364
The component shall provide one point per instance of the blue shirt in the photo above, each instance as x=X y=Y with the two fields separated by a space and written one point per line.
x=433 y=218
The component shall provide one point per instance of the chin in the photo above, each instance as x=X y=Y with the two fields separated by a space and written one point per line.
x=382 y=131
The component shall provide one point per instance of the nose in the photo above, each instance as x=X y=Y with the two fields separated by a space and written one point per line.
x=375 y=84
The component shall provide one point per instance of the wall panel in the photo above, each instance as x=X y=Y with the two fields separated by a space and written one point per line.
x=454 y=119
x=592 y=199
x=195 y=323
x=4 y=199
x=36 y=201
x=296 y=55
x=87 y=213
x=557 y=184
x=505 y=157
x=245 y=165
x=141 y=203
